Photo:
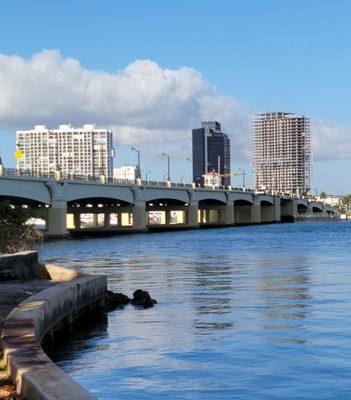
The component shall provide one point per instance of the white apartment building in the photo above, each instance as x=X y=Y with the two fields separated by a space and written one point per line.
x=128 y=172
x=85 y=151
x=333 y=201
x=281 y=152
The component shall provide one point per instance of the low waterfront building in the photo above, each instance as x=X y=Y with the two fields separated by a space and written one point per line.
x=212 y=179
x=128 y=172
x=333 y=201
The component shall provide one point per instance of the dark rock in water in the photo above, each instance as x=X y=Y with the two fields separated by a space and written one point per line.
x=114 y=300
x=142 y=298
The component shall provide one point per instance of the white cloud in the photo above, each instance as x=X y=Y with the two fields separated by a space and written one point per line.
x=330 y=141
x=144 y=104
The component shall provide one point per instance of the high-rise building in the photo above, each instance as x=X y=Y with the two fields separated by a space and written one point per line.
x=211 y=152
x=281 y=152
x=83 y=151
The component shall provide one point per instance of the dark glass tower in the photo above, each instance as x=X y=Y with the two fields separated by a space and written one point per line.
x=211 y=152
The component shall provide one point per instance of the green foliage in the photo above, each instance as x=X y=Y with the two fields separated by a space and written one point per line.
x=15 y=235
x=305 y=192
x=11 y=216
x=346 y=199
x=323 y=195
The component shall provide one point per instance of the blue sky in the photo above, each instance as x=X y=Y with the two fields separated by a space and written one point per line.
x=265 y=55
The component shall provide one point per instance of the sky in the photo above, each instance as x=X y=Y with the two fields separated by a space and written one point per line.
x=152 y=70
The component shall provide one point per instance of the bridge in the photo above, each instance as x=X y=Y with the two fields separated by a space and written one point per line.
x=81 y=206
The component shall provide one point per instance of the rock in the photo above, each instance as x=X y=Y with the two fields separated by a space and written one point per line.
x=143 y=299
x=115 y=300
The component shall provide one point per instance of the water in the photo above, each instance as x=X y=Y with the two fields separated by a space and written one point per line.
x=260 y=312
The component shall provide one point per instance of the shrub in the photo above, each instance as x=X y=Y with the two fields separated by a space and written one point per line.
x=15 y=235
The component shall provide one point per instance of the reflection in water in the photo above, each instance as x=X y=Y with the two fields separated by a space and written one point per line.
x=264 y=314
x=285 y=294
x=212 y=294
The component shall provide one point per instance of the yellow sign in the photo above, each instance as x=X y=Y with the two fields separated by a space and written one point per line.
x=18 y=154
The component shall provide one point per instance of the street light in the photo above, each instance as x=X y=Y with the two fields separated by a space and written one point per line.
x=139 y=169
x=243 y=174
x=147 y=173
x=168 y=166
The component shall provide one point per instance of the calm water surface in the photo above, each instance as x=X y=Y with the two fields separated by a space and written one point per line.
x=260 y=312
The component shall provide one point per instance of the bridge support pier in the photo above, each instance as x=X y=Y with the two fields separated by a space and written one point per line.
x=57 y=219
x=208 y=216
x=193 y=215
x=289 y=211
x=167 y=217
x=228 y=214
x=107 y=221
x=139 y=216
x=256 y=212
x=96 y=220
x=77 y=223
x=277 y=209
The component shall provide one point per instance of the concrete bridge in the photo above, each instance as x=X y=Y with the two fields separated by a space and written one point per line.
x=76 y=206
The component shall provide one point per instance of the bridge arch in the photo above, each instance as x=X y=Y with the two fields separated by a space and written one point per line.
x=35 y=191
x=302 y=203
x=175 y=196
x=241 y=196
x=211 y=197
x=316 y=207
x=74 y=192
x=265 y=199
x=301 y=207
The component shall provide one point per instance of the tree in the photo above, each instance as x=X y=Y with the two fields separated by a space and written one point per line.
x=346 y=199
x=304 y=193
x=323 y=195
x=15 y=235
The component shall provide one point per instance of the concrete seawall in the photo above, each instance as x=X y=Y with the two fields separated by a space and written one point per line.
x=35 y=376
x=22 y=266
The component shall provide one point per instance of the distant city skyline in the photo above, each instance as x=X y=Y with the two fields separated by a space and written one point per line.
x=153 y=80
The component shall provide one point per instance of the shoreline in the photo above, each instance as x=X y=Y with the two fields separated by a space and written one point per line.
x=61 y=297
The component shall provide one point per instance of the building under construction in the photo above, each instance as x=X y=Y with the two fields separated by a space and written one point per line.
x=281 y=152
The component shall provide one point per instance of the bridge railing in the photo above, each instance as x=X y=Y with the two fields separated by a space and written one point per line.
x=21 y=172
x=103 y=180
x=311 y=215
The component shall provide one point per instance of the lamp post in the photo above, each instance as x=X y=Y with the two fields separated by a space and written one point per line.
x=168 y=166
x=139 y=169
x=243 y=174
x=147 y=174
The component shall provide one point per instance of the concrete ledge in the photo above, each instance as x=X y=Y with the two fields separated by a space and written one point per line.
x=35 y=376
x=20 y=266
